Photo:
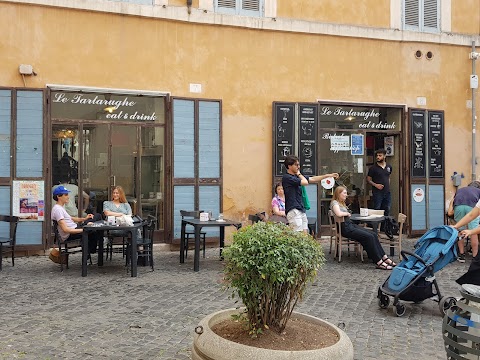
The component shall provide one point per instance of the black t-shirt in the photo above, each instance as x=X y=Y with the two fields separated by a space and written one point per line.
x=380 y=175
x=293 y=192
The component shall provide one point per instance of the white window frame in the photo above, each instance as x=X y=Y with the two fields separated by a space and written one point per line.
x=421 y=17
x=238 y=9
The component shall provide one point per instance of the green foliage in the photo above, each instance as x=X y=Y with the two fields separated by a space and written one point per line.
x=268 y=267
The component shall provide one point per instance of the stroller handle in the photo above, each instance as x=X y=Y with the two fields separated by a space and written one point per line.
x=404 y=253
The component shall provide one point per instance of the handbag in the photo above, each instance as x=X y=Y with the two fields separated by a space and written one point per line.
x=306 y=202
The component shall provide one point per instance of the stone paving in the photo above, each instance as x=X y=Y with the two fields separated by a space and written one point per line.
x=47 y=314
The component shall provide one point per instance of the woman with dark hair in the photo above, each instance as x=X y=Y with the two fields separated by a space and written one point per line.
x=278 y=205
x=367 y=238
x=119 y=205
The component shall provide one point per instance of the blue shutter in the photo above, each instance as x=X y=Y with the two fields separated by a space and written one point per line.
x=209 y=200
x=419 y=220
x=29 y=134
x=436 y=205
x=251 y=8
x=431 y=15
x=5 y=133
x=183 y=199
x=183 y=139
x=226 y=6
x=5 y=209
x=411 y=14
x=29 y=233
x=209 y=139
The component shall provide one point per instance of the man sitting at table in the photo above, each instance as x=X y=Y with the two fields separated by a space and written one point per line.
x=70 y=227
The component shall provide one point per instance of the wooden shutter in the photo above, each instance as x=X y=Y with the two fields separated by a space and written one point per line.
x=430 y=15
x=412 y=14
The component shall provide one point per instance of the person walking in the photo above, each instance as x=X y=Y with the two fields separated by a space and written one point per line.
x=292 y=183
x=463 y=203
x=379 y=177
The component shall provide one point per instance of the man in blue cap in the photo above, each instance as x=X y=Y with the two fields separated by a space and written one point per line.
x=68 y=226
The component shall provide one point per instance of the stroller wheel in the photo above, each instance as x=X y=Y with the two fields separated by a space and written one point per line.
x=400 y=309
x=446 y=303
x=383 y=301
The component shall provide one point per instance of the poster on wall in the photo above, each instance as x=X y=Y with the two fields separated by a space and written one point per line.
x=419 y=133
x=357 y=144
x=28 y=199
x=436 y=142
x=388 y=145
x=284 y=134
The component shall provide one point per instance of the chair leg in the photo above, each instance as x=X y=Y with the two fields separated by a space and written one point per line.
x=151 y=256
x=13 y=255
x=1 y=255
x=187 y=237
x=204 y=246
x=340 y=250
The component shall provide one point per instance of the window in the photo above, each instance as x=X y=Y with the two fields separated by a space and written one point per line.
x=240 y=7
x=421 y=15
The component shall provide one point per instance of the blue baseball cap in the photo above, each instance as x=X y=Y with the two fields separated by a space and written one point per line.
x=60 y=190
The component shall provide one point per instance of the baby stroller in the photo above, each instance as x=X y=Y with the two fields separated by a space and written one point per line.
x=414 y=278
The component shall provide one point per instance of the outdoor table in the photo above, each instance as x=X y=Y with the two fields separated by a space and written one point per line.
x=373 y=220
x=198 y=225
x=103 y=226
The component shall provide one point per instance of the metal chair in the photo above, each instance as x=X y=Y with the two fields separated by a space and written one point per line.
x=203 y=234
x=70 y=246
x=144 y=244
x=396 y=242
x=7 y=244
x=341 y=240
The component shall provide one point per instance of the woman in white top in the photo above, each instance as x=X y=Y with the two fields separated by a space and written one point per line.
x=367 y=238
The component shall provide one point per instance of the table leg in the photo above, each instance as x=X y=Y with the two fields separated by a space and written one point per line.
x=133 y=256
x=222 y=240
x=84 y=252
x=100 y=250
x=196 y=261
x=182 y=243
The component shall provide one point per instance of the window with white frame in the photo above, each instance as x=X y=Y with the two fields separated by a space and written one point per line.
x=421 y=15
x=240 y=7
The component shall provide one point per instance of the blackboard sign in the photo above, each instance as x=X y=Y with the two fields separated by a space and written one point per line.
x=436 y=142
x=284 y=135
x=418 y=131
x=308 y=139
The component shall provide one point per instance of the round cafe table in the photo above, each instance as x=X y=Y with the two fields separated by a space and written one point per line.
x=373 y=220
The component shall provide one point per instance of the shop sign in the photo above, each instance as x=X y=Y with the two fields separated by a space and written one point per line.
x=308 y=115
x=357 y=144
x=418 y=160
x=359 y=117
x=103 y=106
x=28 y=200
x=418 y=195
x=339 y=143
x=284 y=135
x=436 y=142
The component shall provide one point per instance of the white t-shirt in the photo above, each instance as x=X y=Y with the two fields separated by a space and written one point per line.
x=71 y=207
x=59 y=213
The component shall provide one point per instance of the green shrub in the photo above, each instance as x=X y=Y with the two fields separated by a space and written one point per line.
x=268 y=266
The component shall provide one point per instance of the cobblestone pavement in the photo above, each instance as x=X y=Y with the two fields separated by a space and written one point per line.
x=47 y=314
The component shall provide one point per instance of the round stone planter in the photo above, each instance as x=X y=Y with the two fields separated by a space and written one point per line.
x=208 y=345
x=461 y=328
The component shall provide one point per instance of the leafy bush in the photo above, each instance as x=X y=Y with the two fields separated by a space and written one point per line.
x=268 y=266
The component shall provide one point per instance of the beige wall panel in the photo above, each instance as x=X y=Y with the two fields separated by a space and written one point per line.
x=374 y=13
x=466 y=16
x=247 y=69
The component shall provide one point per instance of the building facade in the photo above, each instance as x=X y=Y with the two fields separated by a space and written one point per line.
x=191 y=104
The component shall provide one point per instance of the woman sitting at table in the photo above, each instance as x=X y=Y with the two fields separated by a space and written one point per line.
x=278 y=205
x=367 y=238
x=119 y=205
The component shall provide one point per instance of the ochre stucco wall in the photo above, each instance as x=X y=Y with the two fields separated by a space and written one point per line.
x=246 y=69
x=375 y=13
x=466 y=16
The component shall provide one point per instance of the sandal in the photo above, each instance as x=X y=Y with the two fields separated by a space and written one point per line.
x=383 y=266
x=389 y=261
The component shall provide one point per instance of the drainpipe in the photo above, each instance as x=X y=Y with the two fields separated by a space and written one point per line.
x=189 y=6
x=474 y=57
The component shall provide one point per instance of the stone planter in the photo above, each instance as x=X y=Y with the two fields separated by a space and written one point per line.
x=209 y=345
x=461 y=328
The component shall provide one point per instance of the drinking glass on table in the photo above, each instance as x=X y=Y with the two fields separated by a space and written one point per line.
x=220 y=217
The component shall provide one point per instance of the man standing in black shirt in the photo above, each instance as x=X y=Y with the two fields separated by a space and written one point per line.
x=379 y=177
x=292 y=183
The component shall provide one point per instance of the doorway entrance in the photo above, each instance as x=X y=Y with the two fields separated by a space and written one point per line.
x=102 y=141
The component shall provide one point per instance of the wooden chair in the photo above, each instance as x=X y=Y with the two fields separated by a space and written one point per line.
x=331 y=226
x=341 y=240
x=7 y=243
x=203 y=234
x=396 y=242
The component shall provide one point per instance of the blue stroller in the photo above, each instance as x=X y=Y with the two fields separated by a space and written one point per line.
x=413 y=279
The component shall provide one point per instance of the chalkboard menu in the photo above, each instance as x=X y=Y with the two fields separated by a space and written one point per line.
x=284 y=135
x=436 y=142
x=308 y=139
x=418 y=131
